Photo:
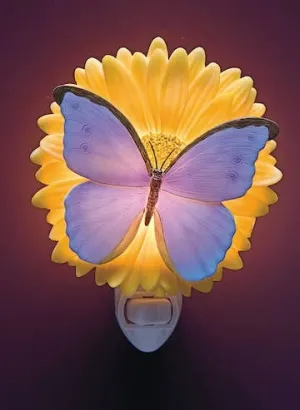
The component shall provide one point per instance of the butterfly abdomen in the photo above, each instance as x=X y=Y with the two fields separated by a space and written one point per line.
x=155 y=184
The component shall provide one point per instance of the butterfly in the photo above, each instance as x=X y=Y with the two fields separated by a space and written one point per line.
x=193 y=228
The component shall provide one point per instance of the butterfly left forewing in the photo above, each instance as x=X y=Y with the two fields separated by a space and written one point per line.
x=99 y=142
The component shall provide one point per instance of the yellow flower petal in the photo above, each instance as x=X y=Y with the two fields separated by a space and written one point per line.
x=55 y=215
x=266 y=174
x=218 y=275
x=218 y=111
x=53 y=145
x=245 y=224
x=264 y=194
x=257 y=110
x=94 y=76
x=228 y=77
x=232 y=260
x=124 y=93
x=196 y=63
x=184 y=287
x=62 y=252
x=125 y=57
x=80 y=78
x=248 y=205
x=174 y=91
x=55 y=108
x=51 y=123
x=53 y=196
x=204 y=286
x=158 y=44
x=82 y=268
x=242 y=95
x=168 y=281
x=53 y=172
x=240 y=242
x=58 y=231
x=39 y=157
x=102 y=273
x=155 y=74
x=201 y=92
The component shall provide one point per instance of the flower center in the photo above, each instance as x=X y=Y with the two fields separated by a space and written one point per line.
x=163 y=145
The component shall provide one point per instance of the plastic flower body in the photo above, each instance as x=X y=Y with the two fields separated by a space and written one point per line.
x=170 y=101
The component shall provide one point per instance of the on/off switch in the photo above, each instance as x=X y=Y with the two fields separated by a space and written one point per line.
x=148 y=311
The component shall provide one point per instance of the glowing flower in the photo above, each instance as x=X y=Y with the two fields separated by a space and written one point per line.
x=170 y=101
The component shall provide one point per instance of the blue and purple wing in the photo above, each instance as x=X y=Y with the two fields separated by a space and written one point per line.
x=99 y=142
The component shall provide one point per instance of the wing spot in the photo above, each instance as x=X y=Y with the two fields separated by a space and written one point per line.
x=87 y=130
x=75 y=105
x=85 y=148
x=233 y=175
x=237 y=158
x=250 y=137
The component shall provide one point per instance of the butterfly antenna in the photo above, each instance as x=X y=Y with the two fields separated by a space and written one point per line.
x=156 y=166
x=167 y=157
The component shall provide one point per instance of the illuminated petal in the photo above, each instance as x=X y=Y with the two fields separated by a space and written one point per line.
x=196 y=62
x=232 y=260
x=53 y=196
x=55 y=108
x=257 y=110
x=125 y=57
x=53 y=172
x=228 y=77
x=82 y=268
x=81 y=79
x=266 y=174
x=124 y=92
x=168 y=281
x=55 y=215
x=204 y=286
x=39 y=157
x=218 y=111
x=51 y=123
x=139 y=69
x=52 y=144
x=245 y=224
x=174 y=91
x=58 y=231
x=248 y=205
x=95 y=77
x=158 y=44
x=240 y=242
x=62 y=252
x=155 y=74
x=201 y=92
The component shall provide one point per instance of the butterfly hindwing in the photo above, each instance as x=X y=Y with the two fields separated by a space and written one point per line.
x=100 y=217
x=192 y=236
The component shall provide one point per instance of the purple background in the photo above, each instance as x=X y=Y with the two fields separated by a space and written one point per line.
x=236 y=348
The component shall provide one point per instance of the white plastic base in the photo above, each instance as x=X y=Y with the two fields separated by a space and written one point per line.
x=146 y=321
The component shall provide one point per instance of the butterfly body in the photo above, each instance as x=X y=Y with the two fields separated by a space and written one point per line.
x=193 y=227
x=155 y=184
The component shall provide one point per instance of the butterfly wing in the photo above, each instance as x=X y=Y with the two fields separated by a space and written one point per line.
x=192 y=236
x=102 y=216
x=220 y=165
x=193 y=229
x=102 y=220
x=99 y=142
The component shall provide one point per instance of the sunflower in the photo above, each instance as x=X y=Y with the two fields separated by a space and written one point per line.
x=170 y=100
